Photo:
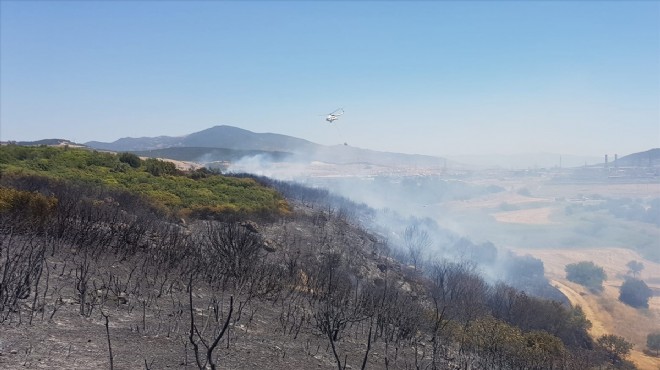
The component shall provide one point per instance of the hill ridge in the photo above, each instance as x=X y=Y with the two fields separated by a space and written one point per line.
x=235 y=138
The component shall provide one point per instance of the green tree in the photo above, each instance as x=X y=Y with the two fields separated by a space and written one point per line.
x=586 y=273
x=130 y=159
x=157 y=167
x=653 y=342
x=635 y=267
x=635 y=292
x=615 y=347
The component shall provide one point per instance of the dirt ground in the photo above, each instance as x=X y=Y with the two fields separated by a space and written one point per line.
x=606 y=313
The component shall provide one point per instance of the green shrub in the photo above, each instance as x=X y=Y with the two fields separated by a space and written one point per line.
x=157 y=167
x=653 y=342
x=635 y=293
x=130 y=159
x=202 y=194
x=34 y=205
x=586 y=273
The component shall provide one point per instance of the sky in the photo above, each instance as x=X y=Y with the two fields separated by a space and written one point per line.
x=431 y=77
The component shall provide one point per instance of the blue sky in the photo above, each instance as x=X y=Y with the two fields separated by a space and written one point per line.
x=440 y=78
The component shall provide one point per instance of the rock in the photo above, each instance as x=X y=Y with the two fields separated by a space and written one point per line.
x=251 y=226
x=269 y=247
x=13 y=352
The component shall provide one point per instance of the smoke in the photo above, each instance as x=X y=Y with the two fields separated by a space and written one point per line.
x=400 y=197
x=264 y=165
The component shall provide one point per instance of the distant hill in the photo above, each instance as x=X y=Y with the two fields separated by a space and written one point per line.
x=206 y=155
x=128 y=144
x=649 y=158
x=237 y=139
x=49 y=142
x=226 y=137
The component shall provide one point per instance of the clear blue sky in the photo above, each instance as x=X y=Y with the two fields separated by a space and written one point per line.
x=441 y=78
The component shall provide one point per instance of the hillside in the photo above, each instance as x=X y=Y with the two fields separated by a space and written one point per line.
x=210 y=155
x=96 y=275
x=167 y=188
x=649 y=158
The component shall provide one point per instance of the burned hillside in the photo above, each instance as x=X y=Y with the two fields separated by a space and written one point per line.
x=94 y=277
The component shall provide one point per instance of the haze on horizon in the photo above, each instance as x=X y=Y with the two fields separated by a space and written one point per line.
x=437 y=78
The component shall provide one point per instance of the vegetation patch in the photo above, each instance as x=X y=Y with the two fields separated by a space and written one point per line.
x=197 y=193
x=586 y=273
x=635 y=293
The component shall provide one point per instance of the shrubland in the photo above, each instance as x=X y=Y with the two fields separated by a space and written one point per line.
x=158 y=181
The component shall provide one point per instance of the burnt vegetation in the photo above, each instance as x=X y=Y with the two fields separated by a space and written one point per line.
x=93 y=276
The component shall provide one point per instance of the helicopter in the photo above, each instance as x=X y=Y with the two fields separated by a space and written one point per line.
x=333 y=116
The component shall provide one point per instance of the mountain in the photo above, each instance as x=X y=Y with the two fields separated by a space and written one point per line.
x=226 y=137
x=237 y=139
x=649 y=158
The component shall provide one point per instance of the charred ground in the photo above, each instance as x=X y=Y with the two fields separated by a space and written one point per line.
x=97 y=277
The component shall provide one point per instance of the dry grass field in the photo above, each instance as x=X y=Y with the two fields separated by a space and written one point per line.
x=614 y=190
x=523 y=219
x=604 y=310
x=533 y=216
x=496 y=200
